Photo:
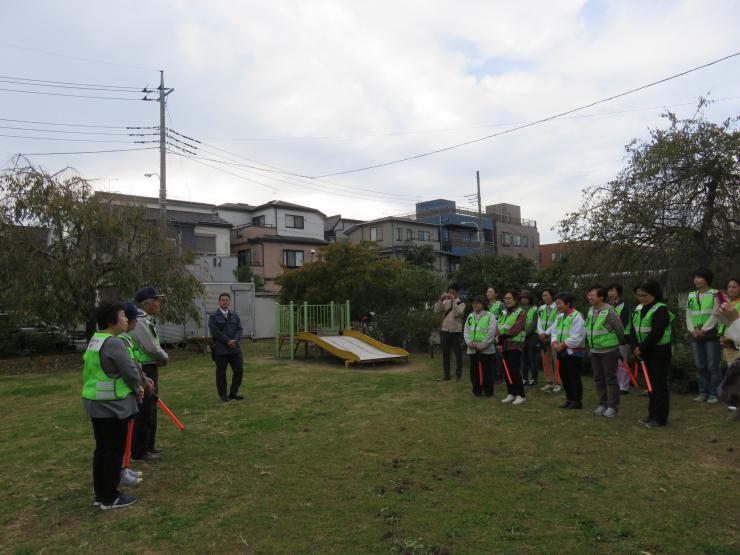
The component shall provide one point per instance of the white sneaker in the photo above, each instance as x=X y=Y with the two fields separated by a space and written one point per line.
x=556 y=388
x=508 y=399
x=546 y=387
x=610 y=413
x=130 y=479
x=700 y=398
x=712 y=399
x=731 y=407
x=600 y=410
x=133 y=472
x=518 y=400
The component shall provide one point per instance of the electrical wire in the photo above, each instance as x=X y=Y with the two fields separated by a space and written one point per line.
x=88 y=60
x=76 y=124
x=87 y=151
x=40 y=83
x=77 y=132
x=530 y=124
x=70 y=95
x=67 y=139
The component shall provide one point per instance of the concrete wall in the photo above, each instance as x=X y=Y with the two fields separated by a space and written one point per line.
x=264 y=315
x=313 y=223
x=222 y=234
x=214 y=269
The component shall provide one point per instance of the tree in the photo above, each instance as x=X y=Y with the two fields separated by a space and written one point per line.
x=672 y=208
x=245 y=274
x=422 y=256
x=477 y=272
x=62 y=247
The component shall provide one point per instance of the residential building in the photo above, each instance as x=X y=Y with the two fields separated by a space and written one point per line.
x=335 y=227
x=395 y=235
x=274 y=236
x=515 y=236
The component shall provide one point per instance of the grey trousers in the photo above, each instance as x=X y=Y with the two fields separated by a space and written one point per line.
x=604 y=366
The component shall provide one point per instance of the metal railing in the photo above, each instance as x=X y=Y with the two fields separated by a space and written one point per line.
x=321 y=319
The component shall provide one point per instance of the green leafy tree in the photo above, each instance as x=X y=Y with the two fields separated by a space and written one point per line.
x=422 y=256
x=672 y=208
x=62 y=248
x=246 y=274
x=477 y=272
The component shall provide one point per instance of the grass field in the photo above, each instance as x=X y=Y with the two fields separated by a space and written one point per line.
x=323 y=459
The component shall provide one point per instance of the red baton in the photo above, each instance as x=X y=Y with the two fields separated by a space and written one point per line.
x=169 y=413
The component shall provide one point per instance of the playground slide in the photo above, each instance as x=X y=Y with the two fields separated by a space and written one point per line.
x=354 y=347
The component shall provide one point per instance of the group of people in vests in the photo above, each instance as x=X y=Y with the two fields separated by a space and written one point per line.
x=506 y=339
x=120 y=392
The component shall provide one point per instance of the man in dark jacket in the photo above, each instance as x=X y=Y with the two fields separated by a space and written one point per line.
x=225 y=328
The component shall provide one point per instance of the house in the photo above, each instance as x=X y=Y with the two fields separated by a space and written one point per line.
x=274 y=236
x=515 y=236
x=394 y=236
x=335 y=227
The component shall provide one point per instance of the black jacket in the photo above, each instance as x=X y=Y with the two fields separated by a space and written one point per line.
x=224 y=329
x=649 y=347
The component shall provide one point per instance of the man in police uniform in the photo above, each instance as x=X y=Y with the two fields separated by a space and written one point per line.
x=152 y=356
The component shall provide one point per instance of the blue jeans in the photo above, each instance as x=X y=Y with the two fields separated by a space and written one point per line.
x=706 y=359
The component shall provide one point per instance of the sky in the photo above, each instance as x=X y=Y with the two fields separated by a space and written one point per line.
x=322 y=87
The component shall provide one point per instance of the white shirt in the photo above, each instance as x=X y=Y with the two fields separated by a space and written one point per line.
x=577 y=335
x=540 y=322
x=224 y=312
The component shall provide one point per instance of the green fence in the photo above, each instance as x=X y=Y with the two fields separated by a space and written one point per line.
x=321 y=319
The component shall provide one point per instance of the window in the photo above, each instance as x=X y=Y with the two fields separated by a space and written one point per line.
x=244 y=257
x=293 y=259
x=424 y=236
x=525 y=241
x=294 y=222
x=376 y=233
x=258 y=221
x=505 y=239
x=557 y=256
x=205 y=244
x=399 y=234
x=409 y=234
x=517 y=240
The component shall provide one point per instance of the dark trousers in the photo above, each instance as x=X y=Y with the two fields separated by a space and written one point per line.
x=513 y=360
x=530 y=366
x=145 y=427
x=237 y=370
x=451 y=341
x=110 y=444
x=659 y=403
x=570 y=375
x=481 y=367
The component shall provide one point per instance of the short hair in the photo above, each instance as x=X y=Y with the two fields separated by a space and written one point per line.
x=600 y=290
x=566 y=297
x=736 y=280
x=492 y=287
x=617 y=286
x=549 y=290
x=512 y=293
x=106 y=314
x=482 y=300
x=705 y=273
x=453 y=286
x=651 y=287
x=224 y=294
x=528 y=295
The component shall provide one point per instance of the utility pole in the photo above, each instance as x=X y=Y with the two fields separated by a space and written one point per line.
x=480 y=215
x=163 y=154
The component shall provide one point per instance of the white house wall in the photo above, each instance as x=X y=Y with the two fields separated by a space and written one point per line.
x=223 y=238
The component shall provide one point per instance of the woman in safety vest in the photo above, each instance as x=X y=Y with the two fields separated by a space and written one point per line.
x=111 y=386
x=702 y=325
x=480 y=338
x=511 y=344
x=651 y=343
x=546 y=315
x=530 y=365
x=498 y=309
x=568 y=340
x=614 y=298
x=604 y=333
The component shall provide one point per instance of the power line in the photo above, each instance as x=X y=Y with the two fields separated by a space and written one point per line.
x=67 y=139
x=63 y=85
x=88 y=60
x=76 y=132
x=74 y=124
x=533 y=123
x=70 y=95
x=88 y=151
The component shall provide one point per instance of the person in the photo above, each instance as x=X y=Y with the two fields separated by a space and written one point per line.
x=530 y=365
x=451 y=333
x=546 y=314
x=568 y=341
x=480 y=338
x=651 y=345
x=614 y=295
x=730 y=348
x=110 y=389
x=604 y=334
x=152 y=356
x=498 y=309
x=511 y=345
x=730 y=387
x=702 y=326
x=226 y=330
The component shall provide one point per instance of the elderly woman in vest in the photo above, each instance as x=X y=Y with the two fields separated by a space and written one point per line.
x=479 y=333
x=568 y=340
x=702 y=326
x=604 y=333
x=530 y=365
x=651 y=344
x=511 y=344
x=111 y=386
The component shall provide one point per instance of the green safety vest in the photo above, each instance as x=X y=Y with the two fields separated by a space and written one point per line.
x=497 y=309
x=547 y=315
x=146 y=358
x=97 y=385
x=643 y=326
x=509 y=321
x=563 y=324
x=620 y=308
x=479 y=328
x=134 y=351
x=700 y=311
x=597 y=336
